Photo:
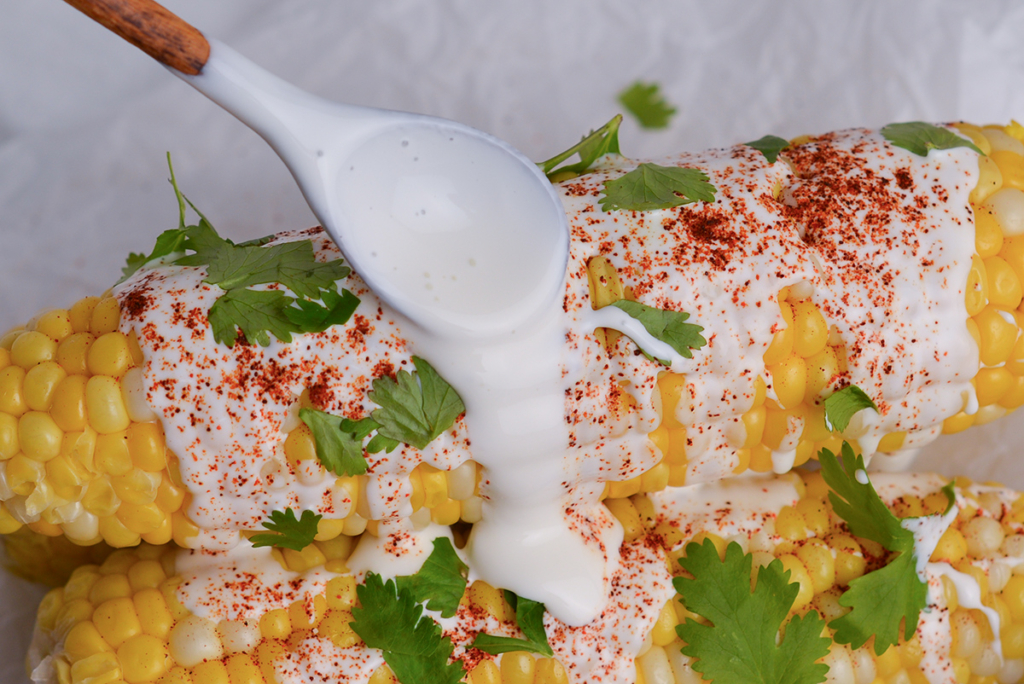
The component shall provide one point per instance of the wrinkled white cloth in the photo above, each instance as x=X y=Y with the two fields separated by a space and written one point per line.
x=85 y=119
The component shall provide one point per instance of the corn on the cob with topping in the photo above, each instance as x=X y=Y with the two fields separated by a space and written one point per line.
x=47 y=560
x=88 y=394
x=131 y=618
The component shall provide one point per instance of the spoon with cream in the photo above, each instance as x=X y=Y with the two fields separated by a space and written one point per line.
x=455 y=229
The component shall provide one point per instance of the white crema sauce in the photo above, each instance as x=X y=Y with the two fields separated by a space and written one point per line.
x=544 y=406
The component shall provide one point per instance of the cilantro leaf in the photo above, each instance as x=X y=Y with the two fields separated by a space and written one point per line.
x=255 y=312
x=530 y=618
x=646 y=103
x=169 y=241
x=881 y=599
x=769 y=146
x=920 y=137
x=596 y=144
x=312 y=317
x=841 y=406
x=338 y=450
x=650 y=186
x=415 y=407
x=740 y=645
x=288 y=531
x=414 y=646
x=669 y=327
x=441 y=582
x=291 y=264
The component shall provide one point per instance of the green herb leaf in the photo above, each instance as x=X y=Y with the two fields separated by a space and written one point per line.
x=312 y=317
x=880 y=600
x=650 y=186
x=441 y=582
x=594 y=145
x=669 y=327
x=920 y=137
x=255 y=312
x=740 y=645
x=769 y=146
x=841 y=406
x=646 y=103
x=416 y=407
x=288 y=531
x=414 y=646
x=337 y=449
x=530 y=618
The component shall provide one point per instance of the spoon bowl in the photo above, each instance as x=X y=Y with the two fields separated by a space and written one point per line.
x=452 y=227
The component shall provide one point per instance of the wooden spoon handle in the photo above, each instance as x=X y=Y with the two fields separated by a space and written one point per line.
x=153 y=29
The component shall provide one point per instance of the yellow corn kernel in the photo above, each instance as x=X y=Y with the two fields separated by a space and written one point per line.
x=242 y=669
x=664 y=631
x=957 y=423
x=754 y=422
x=109 y=355
x=307 y=617
x=73 y=612
x=31 y=348
x=146 y=446
x=101 y=668
x=9 y=446
x=1012 y=638
x=55 y=324
x=100 y=499
x=1013 y=596
x=820 y=566
x=39 y=436
x=550 y=671
x=998 y=335
x=299 y=445
x=990 y=180
x=143 y=658
x=105 y=405
x=849 y=561
x=789 y=379
x=109 y=587
x=781 y=347
x=23 y=474
x=115 y=533
x=821 y=368
x=73 y=353
x=141 y=519
x=1011 y=167
x=992 y=384
x=68 y=403
x=624 y=489
x=979 y=575
x=168 y=497
x=275 y=624
x=267 y=653
x=211 y=672
x=12 y=394
x=490 y=600
x=892 y=442
x=383 y=675
x=447 y=513
x=106 y=316
x=815 y=514
x=40 y=383
x=336 y=627
x=112 y=456
x=655 y=479
x=117 y=621
x=976 y=291
x=671 y=387
x=435 y=485
x=1014 y=397
x=146 y=574
x=760 y=459
x=486 y=672
x=80 y=314
x=1004 y=288
x=798 y=574
x=627 y=515
x=604 y=282
x=988 y=236
x=810 y=328
x=307 y=559
x=790 y=524
x=517 y=667
x=83 y=641
x=150 y=604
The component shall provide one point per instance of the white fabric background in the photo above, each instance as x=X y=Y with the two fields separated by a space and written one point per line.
x=85 y=118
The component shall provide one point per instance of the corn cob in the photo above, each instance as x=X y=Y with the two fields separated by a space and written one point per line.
x=123 y=620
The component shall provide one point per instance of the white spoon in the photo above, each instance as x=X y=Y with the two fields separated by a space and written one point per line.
x=453 y=228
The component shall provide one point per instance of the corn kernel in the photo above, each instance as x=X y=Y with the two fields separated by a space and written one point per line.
x=303 y=616
x=109 y=355
x=12 y=395
x=40 y=384
x=383 y=675
x=1004 y=287
x=275 y=624
x=798 y=574
x=789 y=379
x=336 y=627
x=31 y=348
x=490 y=600
x=447 y=513
x=73 y=353
x=116 y=534
x=990 y=180
x=242 y=669
x=68 y=403
x=143 y=658
x=988 y=236
x=811 y=329
x=627 y=515
x=106 y=316
x=105 y=405
x=486 y=672
x=150 y=604
x=307 y=559
x=781 y=347
x=517 y=667
x=211 y=672
x=664 y=631
x=39 y=436
x=820 y=566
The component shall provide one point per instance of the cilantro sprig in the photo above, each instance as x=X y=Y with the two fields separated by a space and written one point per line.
x=740 y=646
x=235 y=268
x=769 y=146
x=647 y=104
x=882 y=599
x=842 y=405
x=287 y=531
x=440 y=582
x=652 y=186
x=530 y=618
x=414 y=646
x=338 y=450
x=667 y=326
x=594 y=145
x=920 y=138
